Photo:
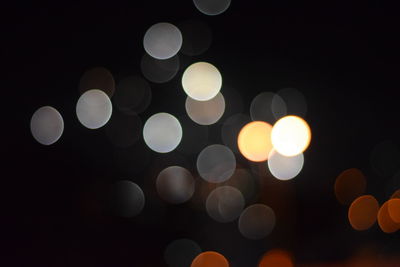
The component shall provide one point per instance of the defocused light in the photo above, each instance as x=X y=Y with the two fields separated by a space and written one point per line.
x=133 y=95
x=205 y=112
x=162 y=40
x=231 y=128
x=201 y=81
x=243 y=180
x=276 y=258
x=97 y=78
x=396 y=194
x=291 y=135
x=159 y=71
x=254 y=141
x=363 y=212
x=385 y=158
x=47 y=125
x=224 y=204
x=394 y=209
x=162 y=132
x=212 y=7
x=181 y=252
x=257 y=221
x=195 y=137
x=197 y=37
x=349 y=185
x=123 y=130
x=175 y=184
x=285 y=168
x=216 y=163
x=93 y=109
x=295 y=102
x=261 y=108
x=386 y=223
x=128 y=199
x=210 y=259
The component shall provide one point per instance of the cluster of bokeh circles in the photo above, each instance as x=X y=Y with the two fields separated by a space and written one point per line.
x=276 y=134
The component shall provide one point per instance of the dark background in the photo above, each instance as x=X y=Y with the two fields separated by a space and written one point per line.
x=344 y=57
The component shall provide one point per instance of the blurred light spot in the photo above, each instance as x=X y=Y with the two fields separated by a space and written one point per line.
x=349 y=185
x=291 y=135
x=162 y=132
x=216 y=163
x=201 y=81
x=133 y=95
x=97 y=78
x=175 y=184
x=257 y=221
x=254 y=141
x=385 y=158
x=243 y=180
x=295 y=102
x=195 y=137
x=363 y=212
x=396 y=194
x=159 y=71
x=212 y=7
x=285 y=168
x=224 y=204
x=394 y=209
x=181 y=252
x=123 y=130
x=276 y=258
x=210 y=259
x=231 y=128
x=386 y=223
x=205 y=112
x=47 y=125
x=197 y=37
x=128 y=199
x=162 y=40
x=93 y=109
x=262 y=108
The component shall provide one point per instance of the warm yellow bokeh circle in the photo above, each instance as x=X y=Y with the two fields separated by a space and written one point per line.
x=254 y=141
x=291 y=135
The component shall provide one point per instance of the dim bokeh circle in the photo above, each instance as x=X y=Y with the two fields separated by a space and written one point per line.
x=267 y=107
x=47 y=125
x=224 y=204
x=205 y=112
x=257 y=221
x=162 y=40
x=181 y=252
x=216 y=163
x=97 y=78
x=285 y=168
x=128 y=199
x=212 y=7
x=93 y=109
x=159 y=71
x=162 y=132
x=175 y=184
x=201 y=81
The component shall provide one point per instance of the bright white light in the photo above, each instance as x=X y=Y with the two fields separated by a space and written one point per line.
x=162 y=40
x=205 y=112
x=93 y=109
x=162 y=132
x=285 y=168
x=47 y=125
x=212 y=7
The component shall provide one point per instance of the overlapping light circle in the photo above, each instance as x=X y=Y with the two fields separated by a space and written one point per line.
x=285 y=168
x=47 y=125
x=257 y=221
x=254 y=141
x=205 y=112
x=93 y=109
x=225 y=203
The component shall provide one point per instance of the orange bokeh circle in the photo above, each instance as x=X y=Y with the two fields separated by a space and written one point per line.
x=254 y=141
x=210 y=259
x=363 y=212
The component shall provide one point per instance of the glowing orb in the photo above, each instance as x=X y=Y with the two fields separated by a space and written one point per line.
x=285 y=168
x=205 y=112
x=93 y=109
x=47 y=125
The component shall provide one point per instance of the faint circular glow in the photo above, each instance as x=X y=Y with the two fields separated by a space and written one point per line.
x=123 y=130
x=210 y=259
x=224 y=204
x=93 y=109
x=385 y=221
x=212 y=7
x=385 y=158
x=254 y=141
x=285 y=168
x=261 y=108
x=216 y=163
x=197 y=37
x=201 y=81
x=195 y=137
x=295 y=102
x=363 y=212
x=257 y=221
x=162 y=132
x=162 y=40
x=349 y=185
x=133 y=95
x=97 y=78
x=175 y=184
x=159 y=71
x=291 y=135
x=394 y=209
x=276 y=257
x=243 y=180
x=231 y=128
x=205 y=112
x=47 y=125
x=128 y=199
x=181 y=252
x=396 y=194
